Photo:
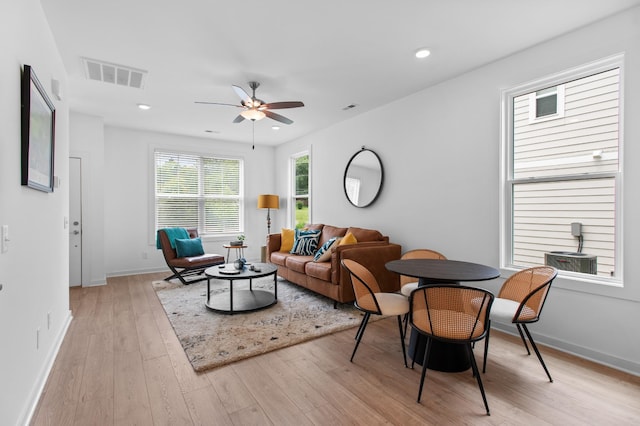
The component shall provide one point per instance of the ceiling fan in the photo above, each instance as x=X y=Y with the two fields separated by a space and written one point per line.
x=256 y=109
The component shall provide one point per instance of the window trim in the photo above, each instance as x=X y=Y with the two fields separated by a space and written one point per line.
x=570 y=280
x=291 y=222
x=152 y=191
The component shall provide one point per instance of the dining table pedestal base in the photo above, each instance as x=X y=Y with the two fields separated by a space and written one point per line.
x=446 y=357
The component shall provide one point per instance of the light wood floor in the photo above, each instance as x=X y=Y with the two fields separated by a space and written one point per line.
x=121 y=363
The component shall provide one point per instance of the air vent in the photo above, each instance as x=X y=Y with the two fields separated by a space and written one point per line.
x=114 y=73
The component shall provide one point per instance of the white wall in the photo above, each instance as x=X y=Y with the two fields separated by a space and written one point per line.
x=441 y=154
x=34 y=272
x=128 y=228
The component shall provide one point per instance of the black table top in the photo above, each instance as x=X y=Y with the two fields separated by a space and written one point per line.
x=443 y=270
x=246 y=273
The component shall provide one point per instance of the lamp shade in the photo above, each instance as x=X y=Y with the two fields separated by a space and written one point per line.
x=268 y=201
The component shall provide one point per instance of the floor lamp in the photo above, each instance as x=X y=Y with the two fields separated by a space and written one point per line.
x=268 y=201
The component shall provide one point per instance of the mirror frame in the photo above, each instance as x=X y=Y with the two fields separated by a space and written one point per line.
x=346 y=170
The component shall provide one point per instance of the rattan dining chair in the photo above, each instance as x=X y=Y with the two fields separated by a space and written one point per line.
x=451 y=313
x=520 y=302
x=408 y=284
x=371 y=300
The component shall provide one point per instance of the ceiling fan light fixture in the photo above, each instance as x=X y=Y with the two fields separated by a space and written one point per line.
x=253 y=114
x=422 y=53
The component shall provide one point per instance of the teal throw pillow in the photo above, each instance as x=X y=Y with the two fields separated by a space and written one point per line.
x=306 y=242
x=188 y=247
x=324 y=253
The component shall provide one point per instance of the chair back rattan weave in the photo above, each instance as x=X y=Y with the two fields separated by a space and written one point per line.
x=451 y=312
x=364 y=285
x=419 y=254
x=528 y=287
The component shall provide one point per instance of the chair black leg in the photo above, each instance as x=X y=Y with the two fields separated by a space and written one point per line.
x=474 y=366
x=406 y=323
x=535 y=348
x=523 y=339
x=425 y=360
x=486 y=348
x=404 y=352
x=363 y=325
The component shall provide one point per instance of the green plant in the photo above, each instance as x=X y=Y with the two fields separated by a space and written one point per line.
x=241 y=237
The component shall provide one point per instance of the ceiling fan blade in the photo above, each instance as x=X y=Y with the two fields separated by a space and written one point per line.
x=282 y=105
x=238 y=119
x=218 y=103
x=277 y=117
x=241 y=93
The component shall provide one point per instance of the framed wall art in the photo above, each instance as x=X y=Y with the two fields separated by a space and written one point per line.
x=38 y=133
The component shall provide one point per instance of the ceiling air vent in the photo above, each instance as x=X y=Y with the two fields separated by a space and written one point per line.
x=114 y=73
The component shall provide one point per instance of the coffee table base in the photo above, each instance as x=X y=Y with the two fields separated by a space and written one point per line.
x=243 y=301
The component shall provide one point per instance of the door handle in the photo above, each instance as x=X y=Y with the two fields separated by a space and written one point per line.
x=76 y=232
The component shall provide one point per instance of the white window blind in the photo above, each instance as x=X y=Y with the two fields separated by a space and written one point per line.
x=196 y=191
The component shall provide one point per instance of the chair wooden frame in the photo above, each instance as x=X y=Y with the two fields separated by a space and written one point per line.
x=530 y=288
x=367 y=292
x=454 y=314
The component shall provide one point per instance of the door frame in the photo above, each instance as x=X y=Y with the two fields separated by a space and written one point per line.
x=84 y=194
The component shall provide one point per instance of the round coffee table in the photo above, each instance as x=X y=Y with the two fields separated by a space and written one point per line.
x=241 y=300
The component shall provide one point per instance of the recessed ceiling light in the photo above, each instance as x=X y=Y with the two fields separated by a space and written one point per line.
x=422 y=53
x=275 y=127
x=144 y=106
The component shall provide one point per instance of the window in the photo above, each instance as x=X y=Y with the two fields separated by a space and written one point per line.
x=546 y=104
x=301 y=214
x=195 y=191
x=562 y=175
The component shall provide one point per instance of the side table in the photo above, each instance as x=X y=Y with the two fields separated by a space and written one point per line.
x=239 y=250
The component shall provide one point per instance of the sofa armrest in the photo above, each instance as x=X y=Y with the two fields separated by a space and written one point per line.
x=372 y=255
x=273 y=244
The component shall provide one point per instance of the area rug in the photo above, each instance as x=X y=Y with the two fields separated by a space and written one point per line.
x=212 y=339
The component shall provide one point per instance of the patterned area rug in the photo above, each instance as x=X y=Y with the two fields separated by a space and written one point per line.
x=212 y=339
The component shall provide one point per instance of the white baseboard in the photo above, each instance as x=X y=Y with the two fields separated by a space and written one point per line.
x=628 y=366
x=36 y=392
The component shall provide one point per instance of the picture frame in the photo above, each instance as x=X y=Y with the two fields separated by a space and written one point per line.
x=38 y=134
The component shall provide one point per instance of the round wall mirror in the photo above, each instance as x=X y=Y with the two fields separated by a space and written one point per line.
x=363 y=178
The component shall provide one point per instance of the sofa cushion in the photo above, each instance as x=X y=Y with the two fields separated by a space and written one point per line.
x=364 y=235
x=322 y=270
x=348 y=239
x=287 y=237
x=329 y=232
x=297 y=263
x=280 y=257
x=306 y=242
x=188 y=247
x=324 y=253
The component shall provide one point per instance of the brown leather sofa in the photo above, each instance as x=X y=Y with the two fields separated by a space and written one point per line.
x=372 y=250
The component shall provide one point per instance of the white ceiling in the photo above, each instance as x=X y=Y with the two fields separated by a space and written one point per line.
x=328 y=54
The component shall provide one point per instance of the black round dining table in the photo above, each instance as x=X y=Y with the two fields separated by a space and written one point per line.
x=448 y=357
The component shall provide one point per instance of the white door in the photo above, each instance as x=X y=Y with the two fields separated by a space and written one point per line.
x=75 y=222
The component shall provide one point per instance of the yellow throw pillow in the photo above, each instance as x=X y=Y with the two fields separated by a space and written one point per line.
x=287 y=237
x=348 y=239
